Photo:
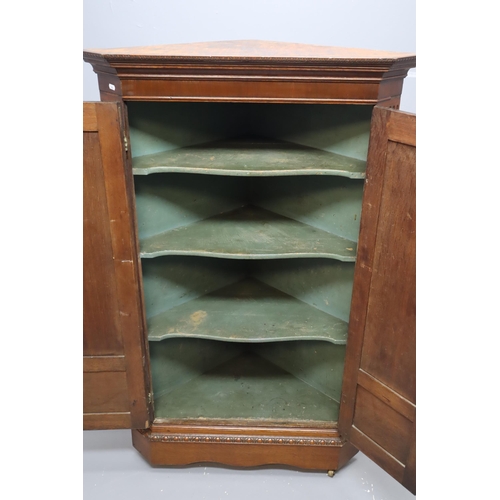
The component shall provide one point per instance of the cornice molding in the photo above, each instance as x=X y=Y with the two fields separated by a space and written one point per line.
x=236 y=72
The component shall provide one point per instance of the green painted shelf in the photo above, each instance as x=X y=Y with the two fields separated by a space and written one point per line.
x=247 y=387
x=247 y=311
x=249 y=233
x=251 y=157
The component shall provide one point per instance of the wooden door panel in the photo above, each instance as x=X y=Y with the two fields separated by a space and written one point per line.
x=393 y=280
x=105 y=392
x=378 y=410
x=383 y=424
x=100 y=304
x=115 y=380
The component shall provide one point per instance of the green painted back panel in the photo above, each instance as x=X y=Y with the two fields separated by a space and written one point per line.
x=168 y=201
x=343 y=129
x=171 y=201
x=323 y=283
x=325 y=202
x=177 y=361
x=194 y=378
x=185 y=369
x=247 y=311
x=174 y=280
x=250 y=157
x=248 y=387
x=156 y=127
x=249 y=233
x=317 y=363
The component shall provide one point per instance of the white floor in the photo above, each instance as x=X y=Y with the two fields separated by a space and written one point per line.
x=112 y=468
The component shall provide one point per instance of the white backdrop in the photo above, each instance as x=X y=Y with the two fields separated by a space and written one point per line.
x=382 y=25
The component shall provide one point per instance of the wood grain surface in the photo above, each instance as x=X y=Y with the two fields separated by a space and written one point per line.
x=114 y=382
x=378 y=408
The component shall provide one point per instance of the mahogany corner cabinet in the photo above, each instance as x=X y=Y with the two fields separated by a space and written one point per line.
x=249 y=254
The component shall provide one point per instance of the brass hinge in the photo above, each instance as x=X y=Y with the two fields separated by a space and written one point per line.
x=125 y=142
x=150 y=397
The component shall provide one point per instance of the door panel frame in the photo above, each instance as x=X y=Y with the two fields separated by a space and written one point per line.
x=388 y=127
x=107 y=120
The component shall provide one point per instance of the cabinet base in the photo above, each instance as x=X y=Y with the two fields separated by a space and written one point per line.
x=302 y=448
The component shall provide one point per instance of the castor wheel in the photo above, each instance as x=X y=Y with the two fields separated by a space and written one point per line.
x=331 y=473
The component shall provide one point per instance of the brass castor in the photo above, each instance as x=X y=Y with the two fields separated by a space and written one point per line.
x=331 y=473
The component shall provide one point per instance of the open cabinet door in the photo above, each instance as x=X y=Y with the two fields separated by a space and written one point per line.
x=115 y=385
x=378 y=399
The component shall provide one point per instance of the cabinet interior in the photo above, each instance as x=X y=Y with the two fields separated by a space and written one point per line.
x=248 y=220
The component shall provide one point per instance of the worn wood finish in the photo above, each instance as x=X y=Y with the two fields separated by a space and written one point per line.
x=389 y=339
x=384 y=425
x=252 y=50
x=250 y=71
x=312 y=448
x=104 y=363
x=378 y=400
x=105 y=392
x=248 y=311
x=99 y=421
x=289 y=92
x=250 y=157
x=114 y=378
x=100 y=303
x=89 y=117
x=207 y=450
x=250 y=233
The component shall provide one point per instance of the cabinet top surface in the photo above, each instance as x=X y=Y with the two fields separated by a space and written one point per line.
x=253 y=50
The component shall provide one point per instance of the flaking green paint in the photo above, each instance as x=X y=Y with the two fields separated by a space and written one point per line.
x=247 y=311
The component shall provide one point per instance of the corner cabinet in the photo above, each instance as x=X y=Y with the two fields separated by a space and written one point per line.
x=249 y=259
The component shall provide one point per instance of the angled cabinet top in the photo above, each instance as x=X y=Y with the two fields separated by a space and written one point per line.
x=254 y=50
x=250 y=71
